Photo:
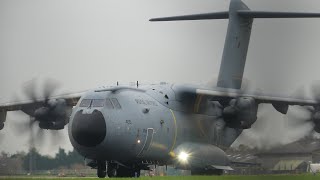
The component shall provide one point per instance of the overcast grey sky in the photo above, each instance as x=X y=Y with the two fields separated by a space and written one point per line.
x=85 y=44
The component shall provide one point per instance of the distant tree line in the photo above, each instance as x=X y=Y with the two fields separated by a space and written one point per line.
x=33 y=160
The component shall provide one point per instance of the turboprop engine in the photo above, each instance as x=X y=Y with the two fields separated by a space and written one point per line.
x=3 y=115
x=241 y=113
x=53 y=115
x=316 y=121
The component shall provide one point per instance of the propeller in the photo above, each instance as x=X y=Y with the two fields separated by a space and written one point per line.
x=50 y=114
x=1 y=138
x=308 y=114
x=241 y=112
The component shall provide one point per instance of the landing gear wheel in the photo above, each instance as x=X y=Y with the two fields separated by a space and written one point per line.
x=115 y=170
x=112 y=172
x=101 y=171
x=137 y=173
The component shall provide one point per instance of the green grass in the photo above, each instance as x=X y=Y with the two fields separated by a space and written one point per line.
x=262 y=177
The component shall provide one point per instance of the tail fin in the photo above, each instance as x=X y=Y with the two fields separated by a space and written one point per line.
x=238 y=37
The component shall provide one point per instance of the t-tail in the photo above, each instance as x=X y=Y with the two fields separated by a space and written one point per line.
x=238 y=37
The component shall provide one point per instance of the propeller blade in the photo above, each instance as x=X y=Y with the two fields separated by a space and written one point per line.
x=56 y=136
x=50 y=110
x=39 y=136
x=30 y=90
x=24 y=127
x=1 y=138
x=315 y=90
x=303 y=115
x=50 y=86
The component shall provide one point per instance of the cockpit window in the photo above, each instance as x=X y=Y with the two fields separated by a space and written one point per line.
x=116 y=103
x=109 y=104
x=98 y=103
x=85 y=103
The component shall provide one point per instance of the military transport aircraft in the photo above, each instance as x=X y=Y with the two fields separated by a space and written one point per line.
x=123 y=130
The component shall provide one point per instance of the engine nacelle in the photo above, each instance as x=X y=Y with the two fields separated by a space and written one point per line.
x=56 y=125
x=241 y=113
x=3 y=115
x=1 y=126
x=316 y=121
x=54 y=115
x=41 y=113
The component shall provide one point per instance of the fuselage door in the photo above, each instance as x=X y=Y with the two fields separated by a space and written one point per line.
x=147 y=142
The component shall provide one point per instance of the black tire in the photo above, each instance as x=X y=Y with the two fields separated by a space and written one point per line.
x=138 y=173
x=115 y=170
x=101 y=174
x=101 y=171
x=112 y=172
x=1 y=126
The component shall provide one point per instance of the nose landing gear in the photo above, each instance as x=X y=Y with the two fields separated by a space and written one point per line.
x=101 y=169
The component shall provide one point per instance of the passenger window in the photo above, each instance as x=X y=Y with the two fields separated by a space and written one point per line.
x=116 y=103
x=85 y=103
x=109 y=104
x=98 y=103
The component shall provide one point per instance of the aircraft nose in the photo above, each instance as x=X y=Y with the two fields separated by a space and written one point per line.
x=89 y=129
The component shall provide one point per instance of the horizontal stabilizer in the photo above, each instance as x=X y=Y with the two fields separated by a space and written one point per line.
x=215 y=15
x=241 y=13
x=266 y=14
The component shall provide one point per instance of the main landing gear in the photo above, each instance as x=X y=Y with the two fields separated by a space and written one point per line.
x=116 y=170
x=101 y=169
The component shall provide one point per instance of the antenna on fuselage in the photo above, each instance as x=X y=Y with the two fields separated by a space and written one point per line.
x=117 y=83
x=137 y=84
x=238 y=37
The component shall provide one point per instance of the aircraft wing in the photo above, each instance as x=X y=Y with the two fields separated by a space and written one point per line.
x=259 y=98
x=239 y=108
x=51 y=113
x=70 y=99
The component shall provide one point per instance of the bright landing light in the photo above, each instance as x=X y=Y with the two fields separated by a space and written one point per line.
x=183 y=157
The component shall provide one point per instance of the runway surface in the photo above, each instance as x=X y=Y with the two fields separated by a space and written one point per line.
x=260 y=177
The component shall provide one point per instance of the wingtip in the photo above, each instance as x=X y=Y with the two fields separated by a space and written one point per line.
x=154 y=19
